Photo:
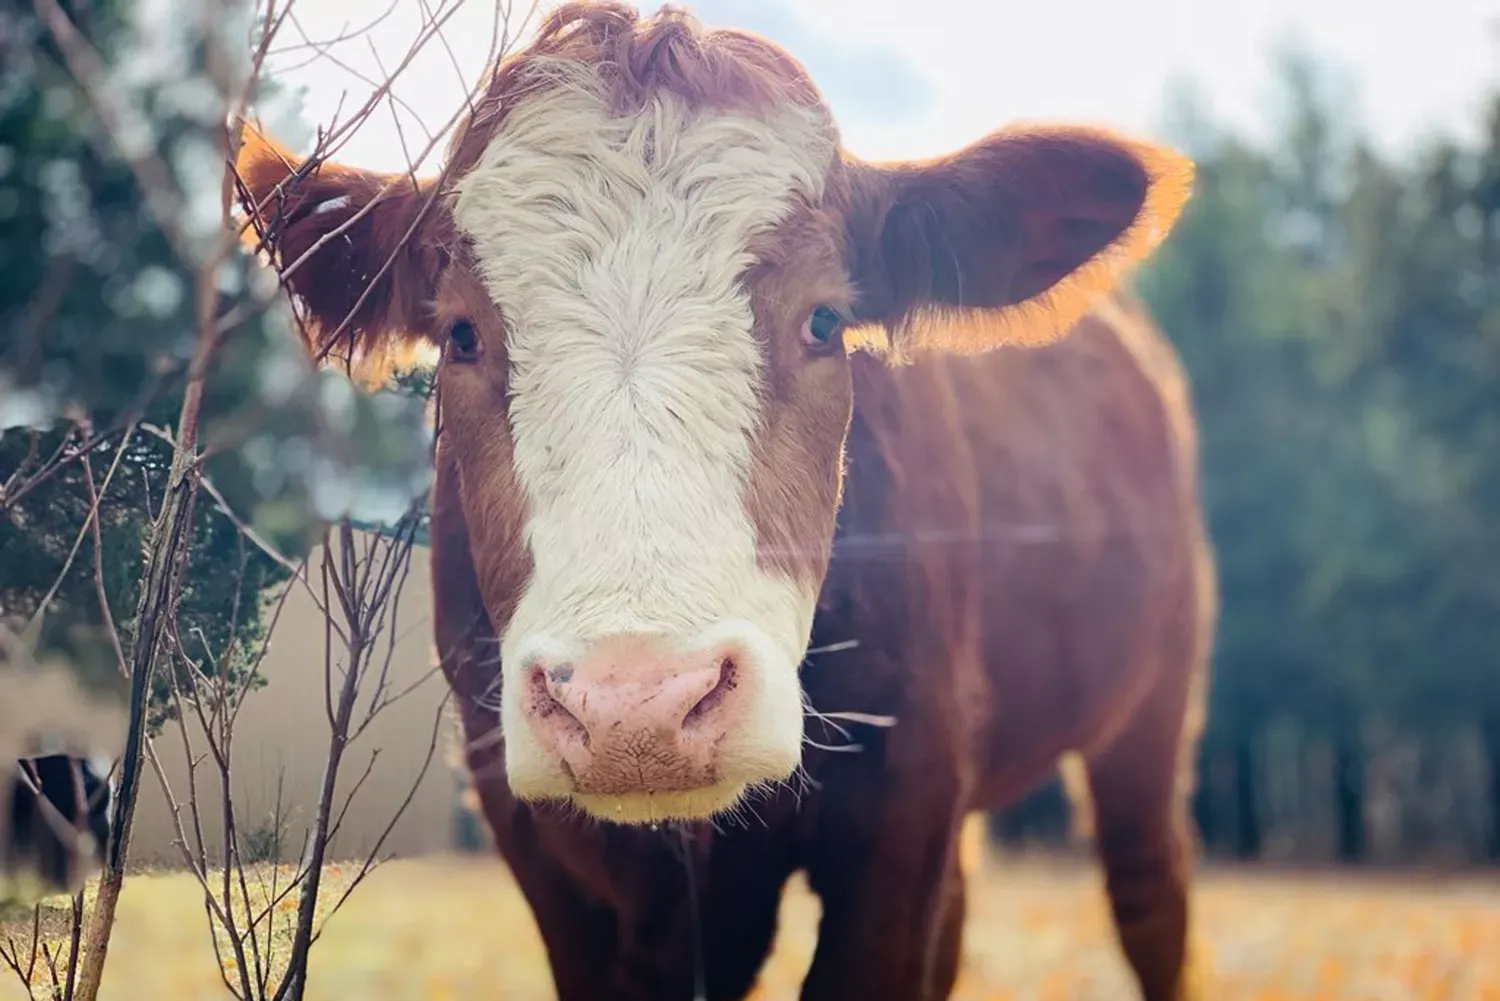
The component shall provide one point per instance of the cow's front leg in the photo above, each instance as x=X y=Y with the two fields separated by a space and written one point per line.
x=892 y=893
x=720 y=923
x=615 y=908
x=579 y=937
x=578 y=933
x=607 y=938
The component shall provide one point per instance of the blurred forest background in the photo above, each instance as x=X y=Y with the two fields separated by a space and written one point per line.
x=1339 y=314
x=1338 y=310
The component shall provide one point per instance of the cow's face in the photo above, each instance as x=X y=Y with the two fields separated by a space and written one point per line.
x=641 y=275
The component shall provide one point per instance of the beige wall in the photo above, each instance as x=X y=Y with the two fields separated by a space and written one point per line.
x=283 y=732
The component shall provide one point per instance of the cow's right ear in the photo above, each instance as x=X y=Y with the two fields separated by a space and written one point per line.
x=363 y=251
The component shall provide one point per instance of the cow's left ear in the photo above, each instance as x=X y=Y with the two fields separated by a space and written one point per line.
x=367 y=249
x=1008 y=241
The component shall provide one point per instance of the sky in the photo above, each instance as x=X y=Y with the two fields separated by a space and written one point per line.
x=915 y=78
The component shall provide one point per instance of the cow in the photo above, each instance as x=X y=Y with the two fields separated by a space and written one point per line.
x=789 y=507
x=58 y=809
x=59 y=817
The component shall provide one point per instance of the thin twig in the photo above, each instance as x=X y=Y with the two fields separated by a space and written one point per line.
x=336 y=39
x=83 y=532
x=400 y=811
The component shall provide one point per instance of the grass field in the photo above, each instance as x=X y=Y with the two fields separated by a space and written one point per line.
x=457 y=929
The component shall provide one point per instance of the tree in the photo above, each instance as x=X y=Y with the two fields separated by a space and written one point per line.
x=1339 y=316
x=167 y=449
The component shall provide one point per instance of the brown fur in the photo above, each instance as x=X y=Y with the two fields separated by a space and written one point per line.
x=723 y=69
x=1025 y=576
x=1019 y=551
x=793 y=492
x=387 y=227
x=958 y=263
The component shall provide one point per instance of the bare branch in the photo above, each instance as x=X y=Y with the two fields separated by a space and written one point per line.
x=344 y=36
x=452 y=59
x=270 y=28
x=400 y=811
x=88 y=522
x=245 y=530
x=12 y=493
x=100 y=591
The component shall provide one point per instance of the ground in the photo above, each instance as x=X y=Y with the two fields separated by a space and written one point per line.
x=457 y=929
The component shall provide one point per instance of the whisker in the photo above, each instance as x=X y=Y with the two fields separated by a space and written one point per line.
x=845 y=734
x=494 y=770
x=489 y=703
x=751 y=809
x=841 y=748
x=869 y=719
x=490 y=697
x=833 y=647
x=829 y=724
x=485 y=740
x=487 y=662
x=830 y=720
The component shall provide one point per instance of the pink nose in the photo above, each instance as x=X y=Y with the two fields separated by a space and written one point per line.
x=635 y=715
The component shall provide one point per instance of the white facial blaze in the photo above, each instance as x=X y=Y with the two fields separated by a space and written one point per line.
x=614 y=247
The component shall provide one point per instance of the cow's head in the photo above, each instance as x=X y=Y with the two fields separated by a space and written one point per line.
x=644 y=270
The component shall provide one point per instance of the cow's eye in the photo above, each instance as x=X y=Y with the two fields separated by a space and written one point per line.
x=463 y=342
x=822 y=325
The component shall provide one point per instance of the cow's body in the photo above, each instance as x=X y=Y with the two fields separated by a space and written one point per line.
x=677 y=476
x=1025 y=573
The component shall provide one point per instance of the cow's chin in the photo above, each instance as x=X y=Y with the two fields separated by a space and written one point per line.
x=662 y=807
x=739 y=781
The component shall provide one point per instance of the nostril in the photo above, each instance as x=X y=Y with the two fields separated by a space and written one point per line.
x=728 y=680
x=544 y=708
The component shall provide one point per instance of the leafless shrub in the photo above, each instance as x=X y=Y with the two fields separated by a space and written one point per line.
x=357 y=582
x=355 y=578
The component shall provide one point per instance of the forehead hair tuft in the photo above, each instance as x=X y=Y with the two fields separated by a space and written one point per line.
x=634 y=58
